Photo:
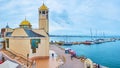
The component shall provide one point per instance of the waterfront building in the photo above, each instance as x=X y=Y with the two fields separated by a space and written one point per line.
x=5 y=30
x=25 y=41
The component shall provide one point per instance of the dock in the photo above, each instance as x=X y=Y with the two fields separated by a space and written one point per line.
x=87 y=42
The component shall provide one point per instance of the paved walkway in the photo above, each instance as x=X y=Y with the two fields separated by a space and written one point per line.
x=74 y=63
x=46 y=63
x=50 y=62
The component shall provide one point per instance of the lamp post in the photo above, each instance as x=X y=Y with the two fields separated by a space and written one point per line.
x=27 y=59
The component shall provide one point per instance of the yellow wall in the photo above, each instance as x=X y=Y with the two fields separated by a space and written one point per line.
x=9 y=30
x=20 y=46
x=43 y=23
x=19 y=32
x=42 y=50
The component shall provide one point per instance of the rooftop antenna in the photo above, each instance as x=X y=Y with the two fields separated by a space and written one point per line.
x=43 y=1
x=25 y=18
x=7 y=23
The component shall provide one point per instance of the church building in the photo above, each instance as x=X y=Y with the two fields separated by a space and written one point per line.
x=25 y=41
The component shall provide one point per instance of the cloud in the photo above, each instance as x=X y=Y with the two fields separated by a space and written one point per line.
x=61 y=18
x=68 y=16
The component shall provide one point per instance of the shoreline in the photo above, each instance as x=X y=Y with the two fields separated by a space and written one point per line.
x=81 y=58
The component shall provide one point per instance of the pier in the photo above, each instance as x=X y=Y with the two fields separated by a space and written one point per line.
x=87 y=42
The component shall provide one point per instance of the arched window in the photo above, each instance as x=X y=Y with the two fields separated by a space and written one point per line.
x=43 y=12
x=40 y=12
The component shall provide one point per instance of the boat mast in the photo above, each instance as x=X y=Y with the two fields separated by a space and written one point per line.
x=103 y=35
x=91 y=34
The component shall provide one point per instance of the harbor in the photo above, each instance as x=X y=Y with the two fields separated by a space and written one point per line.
x=99 y=53
x=86 y=42
x=60 y=34
x=75 y=61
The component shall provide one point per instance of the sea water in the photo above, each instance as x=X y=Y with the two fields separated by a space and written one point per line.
x=106 y=54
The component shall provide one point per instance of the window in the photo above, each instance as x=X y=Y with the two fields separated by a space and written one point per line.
x=34 y=44
x=7 y=41
x=40 y=12
x=34 y=50
x=43 y=12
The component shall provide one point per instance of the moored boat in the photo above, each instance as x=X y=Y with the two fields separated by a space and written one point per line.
x=67 y=44
x=87 y=42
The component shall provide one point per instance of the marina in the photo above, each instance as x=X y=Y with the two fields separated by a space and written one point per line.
x=98 y=53
x=60 y=34
x=85 y=42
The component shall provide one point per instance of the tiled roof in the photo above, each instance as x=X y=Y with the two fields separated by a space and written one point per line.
x=8 y=34
x=30 y=33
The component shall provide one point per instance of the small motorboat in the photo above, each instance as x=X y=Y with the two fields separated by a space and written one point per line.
x=87 y=42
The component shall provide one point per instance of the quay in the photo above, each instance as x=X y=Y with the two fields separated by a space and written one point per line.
x=77 y=62
x=87 y=42
x=68 y=63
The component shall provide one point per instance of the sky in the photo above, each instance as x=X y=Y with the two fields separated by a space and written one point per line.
x=66 y=17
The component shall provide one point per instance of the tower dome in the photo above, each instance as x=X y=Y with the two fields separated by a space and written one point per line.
x=43 y=7
x=7 y=26
x=25 y=24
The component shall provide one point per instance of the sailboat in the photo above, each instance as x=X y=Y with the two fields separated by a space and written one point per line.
x=99 y=41
x=89 y=42
x=66 y=43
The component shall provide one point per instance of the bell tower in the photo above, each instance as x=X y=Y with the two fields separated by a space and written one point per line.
x=43 y=18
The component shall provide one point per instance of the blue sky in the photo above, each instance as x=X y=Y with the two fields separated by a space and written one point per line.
x=75 y=17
